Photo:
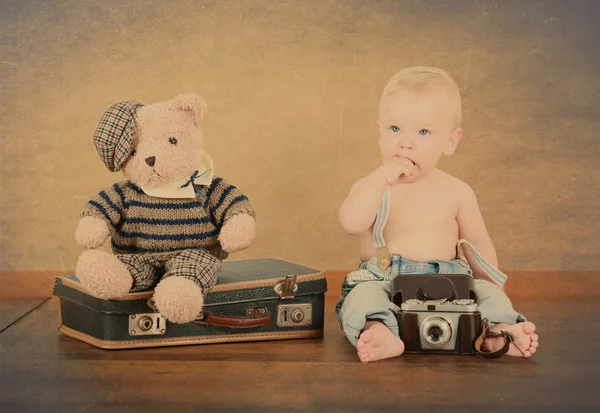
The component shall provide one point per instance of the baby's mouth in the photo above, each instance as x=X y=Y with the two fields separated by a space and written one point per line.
x=413 y=162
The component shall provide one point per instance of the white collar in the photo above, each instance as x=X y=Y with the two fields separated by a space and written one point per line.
x=183 y=188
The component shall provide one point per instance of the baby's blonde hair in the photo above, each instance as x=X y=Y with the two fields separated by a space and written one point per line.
x=418 y=77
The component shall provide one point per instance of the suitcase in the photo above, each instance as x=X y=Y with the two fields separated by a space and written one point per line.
x=257 y=299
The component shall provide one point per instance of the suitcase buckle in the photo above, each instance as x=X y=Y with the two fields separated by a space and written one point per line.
x=286 y=289
x=152 y=304
x=256 y=311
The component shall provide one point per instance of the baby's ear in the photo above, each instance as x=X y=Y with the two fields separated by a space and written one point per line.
x=192 y=104
x=453 y=141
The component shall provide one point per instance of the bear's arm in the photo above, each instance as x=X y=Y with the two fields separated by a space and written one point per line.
x=225 y=201
x=108 y=205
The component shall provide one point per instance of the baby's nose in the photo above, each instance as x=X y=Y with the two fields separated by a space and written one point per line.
x=150 y=161
x=405 y=141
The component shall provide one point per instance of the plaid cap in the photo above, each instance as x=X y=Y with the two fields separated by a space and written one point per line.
x=114 y=135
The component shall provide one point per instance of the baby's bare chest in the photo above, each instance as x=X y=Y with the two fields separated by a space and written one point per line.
x=422 y=206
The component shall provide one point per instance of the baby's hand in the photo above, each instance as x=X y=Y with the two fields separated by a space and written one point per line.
x=395 y=167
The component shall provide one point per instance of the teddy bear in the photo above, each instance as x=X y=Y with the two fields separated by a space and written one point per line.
x=172 y=221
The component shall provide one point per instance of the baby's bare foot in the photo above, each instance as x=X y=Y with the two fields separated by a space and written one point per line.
x=377 y=342
x=525 y=339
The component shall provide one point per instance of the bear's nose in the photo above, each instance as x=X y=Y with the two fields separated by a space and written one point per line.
x=150 y=161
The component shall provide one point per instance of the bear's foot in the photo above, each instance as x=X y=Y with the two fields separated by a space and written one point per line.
x=178 y=299
x=103 y=274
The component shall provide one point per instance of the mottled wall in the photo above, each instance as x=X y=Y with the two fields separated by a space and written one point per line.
x=293 y=89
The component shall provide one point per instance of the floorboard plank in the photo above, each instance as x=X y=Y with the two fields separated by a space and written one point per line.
x=43 y=370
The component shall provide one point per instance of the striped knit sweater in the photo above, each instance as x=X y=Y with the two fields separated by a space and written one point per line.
x=145 y=224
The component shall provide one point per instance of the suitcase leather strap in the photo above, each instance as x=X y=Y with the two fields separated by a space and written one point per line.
x=211 y=319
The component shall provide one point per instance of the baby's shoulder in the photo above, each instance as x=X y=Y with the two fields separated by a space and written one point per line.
x=461 y=189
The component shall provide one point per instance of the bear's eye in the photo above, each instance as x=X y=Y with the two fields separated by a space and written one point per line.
x=172 y=141
x=133 y=153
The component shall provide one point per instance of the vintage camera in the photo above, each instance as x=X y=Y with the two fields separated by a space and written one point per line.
x=438 y=313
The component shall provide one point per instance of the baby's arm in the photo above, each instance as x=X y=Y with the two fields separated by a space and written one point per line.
x=472 y=227
x=359 y=209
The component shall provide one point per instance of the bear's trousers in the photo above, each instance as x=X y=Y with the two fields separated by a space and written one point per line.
x=196 y=265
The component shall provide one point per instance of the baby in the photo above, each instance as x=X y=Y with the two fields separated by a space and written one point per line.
x=433 y=221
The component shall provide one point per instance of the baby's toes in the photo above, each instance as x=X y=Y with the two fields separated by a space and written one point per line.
x=363 y=355
x=528 y=327
x=534 y=343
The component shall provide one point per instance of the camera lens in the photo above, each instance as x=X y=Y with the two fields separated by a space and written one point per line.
x=435 y=334
x=436 y=331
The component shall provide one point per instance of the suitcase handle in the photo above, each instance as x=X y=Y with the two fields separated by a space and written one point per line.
x=235 y=322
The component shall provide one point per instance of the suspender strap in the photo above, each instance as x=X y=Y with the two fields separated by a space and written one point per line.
x=383 y=255
x=479 y=265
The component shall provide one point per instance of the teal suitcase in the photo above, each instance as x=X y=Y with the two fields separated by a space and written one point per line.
x=257 y=299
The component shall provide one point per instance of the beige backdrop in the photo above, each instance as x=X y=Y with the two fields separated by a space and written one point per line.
x=293 y=89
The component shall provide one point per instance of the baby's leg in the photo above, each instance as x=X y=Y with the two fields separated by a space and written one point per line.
x=495 y=305
x=369 y=323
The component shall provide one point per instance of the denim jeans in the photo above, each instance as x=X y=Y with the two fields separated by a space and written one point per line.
x=366 y=294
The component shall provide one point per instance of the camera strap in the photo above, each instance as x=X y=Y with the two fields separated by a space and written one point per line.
x=486 y=333
x=383 y=255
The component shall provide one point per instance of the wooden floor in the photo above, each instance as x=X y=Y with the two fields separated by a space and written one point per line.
x=44 y=371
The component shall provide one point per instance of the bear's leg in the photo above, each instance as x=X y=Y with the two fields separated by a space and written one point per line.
x=143 y=269
x=180 y=294
x=103 y=274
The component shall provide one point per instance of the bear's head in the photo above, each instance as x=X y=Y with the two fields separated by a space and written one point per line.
x=153 y=144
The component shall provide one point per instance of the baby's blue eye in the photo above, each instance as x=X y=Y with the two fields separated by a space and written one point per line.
x=424 y=132
x=395 y=129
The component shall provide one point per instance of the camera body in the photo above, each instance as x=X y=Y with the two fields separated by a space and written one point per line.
x=438 y=313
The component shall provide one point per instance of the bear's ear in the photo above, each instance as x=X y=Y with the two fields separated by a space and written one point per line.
x=192 y=104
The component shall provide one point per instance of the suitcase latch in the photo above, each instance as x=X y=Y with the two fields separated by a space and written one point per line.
x=286 y=289
x=149 y=324
x=294 y=315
